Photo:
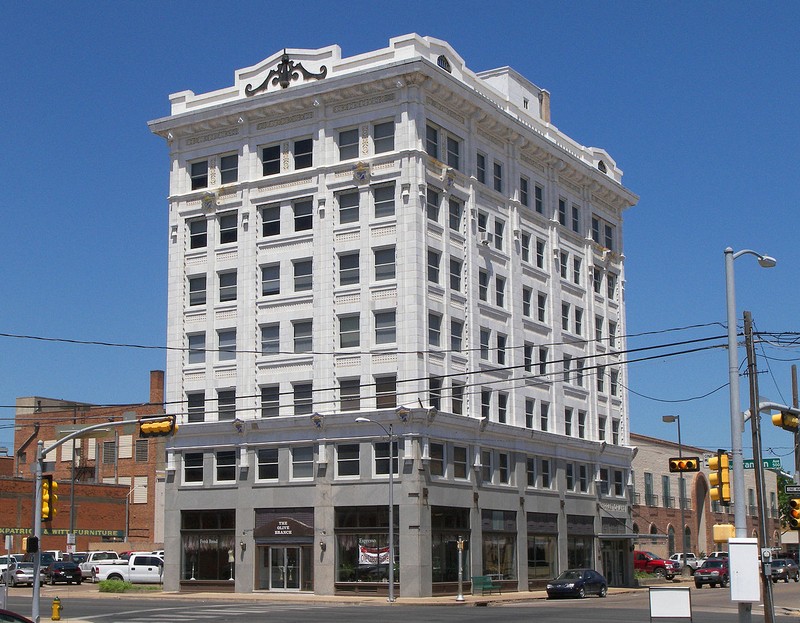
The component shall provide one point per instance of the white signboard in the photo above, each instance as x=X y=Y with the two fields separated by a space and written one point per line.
x=670 y=602
x=744 y=569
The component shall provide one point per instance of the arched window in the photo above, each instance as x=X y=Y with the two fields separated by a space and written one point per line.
x=636 y=528
x=653 y=529
x=671 y=540
x=444 y=63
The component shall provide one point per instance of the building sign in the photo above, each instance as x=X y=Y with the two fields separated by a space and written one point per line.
x=369 y=554
x=283 y=529
x=64 y=532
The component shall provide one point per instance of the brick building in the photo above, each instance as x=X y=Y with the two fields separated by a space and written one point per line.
x=101 y=466
x=657 y=496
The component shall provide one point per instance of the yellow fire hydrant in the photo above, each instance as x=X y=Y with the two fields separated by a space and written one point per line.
x=57 y=608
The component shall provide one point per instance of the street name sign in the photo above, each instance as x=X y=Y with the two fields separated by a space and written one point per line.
x=767 y=463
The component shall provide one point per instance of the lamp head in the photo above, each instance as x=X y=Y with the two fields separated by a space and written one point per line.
x=670 y=418
x=361 y=420
x=765 y=261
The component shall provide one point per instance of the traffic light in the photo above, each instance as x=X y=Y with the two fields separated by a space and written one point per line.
x=157 y=426
x=787 y=421
x=31 y=545
x=720 y=478
x=684 y=464
x=794 y=513
x=49 y=498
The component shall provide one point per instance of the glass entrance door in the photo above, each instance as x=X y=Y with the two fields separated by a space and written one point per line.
x=284 y=565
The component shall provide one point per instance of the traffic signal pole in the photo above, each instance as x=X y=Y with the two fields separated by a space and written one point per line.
x=38 y=469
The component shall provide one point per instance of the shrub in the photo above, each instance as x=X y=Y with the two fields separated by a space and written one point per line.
x=114 y=586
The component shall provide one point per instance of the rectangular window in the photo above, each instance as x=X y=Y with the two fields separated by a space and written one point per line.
x=271 y=160
x=612 y=334
x=109 y=452
x=527 y=295
x=453 y=153
x=303 y=275
x=349 y=331
x=578 y=321
x=597 y=280
x=228 y=231
x=460 y=466
x=384 y=200
x=611 y=286
x=583 y=478
x=614 y=383
x=434 y=259
x=303 y=215
x=270 y=401
x=303 y=398
x=527 y=357
x=501 y=348
x=302 y=463
x=271 y=221
x=615 y=432
x=382 y=458
x=540 y=249
x=567 y=365
x=568 y=422
x=303 y=336
x=227 y=345
x=502 y=407
x=543 y=360
x=563 y=264
x=385 y=327
x=500 y=291
x=434 y=329
x=538 y=198
x=197 y=348
x=498 y=176
x=530 y=471
x=524 y=198
x=545 y=471
x=576 y=218
x=486 y=403
x=198 y=172
x=457 y=398
x=483 y=285
x=541 y=307
x=582 y=424
x=484 y=343
x=437 y=459
x=227 y=286
x=349 y=268
x=455 y=214
x=456 y=335
x=598 y=329
x=385 y=264
x=570 y=473
x=432 y=205
x=196 y=407
x=226 y=404
x=576 y=270
x=432 y=141
x=486 y=466
x=193 y=467
x=579 y=365
x=271 y=280
x=480 y=172
x=544 y=416
x=503 y=470
x=456 y=266
x=530 y=410
x=348 y=207
x=499 y=232
x=525 y=247
x=198 y=234
x=303 y=151
x=604 y=482
x=386 y=392
x=348 y=459
x=565 y=316
x=270 y=339
x=619 y=487
x=603 y=232
x=383 y=137
x=350 y=394
x=562 y=212
x=348 y=144
x=142 y=451
x=229 y=168
x=601 y=427
x=267 y=464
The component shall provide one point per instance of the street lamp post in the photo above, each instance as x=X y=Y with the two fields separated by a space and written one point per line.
x=681 y=486
x=737 y=420
x=390 y=434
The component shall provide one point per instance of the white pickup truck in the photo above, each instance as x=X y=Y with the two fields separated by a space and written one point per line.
x=92 y=559
x=692 y=561
x=140 y=568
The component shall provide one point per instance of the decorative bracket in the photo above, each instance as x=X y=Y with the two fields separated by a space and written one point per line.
x=283 y=74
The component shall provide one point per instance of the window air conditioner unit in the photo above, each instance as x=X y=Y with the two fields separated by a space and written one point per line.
x=486 y=239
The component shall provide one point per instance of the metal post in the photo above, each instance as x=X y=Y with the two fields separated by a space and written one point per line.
x=391 y=514
x=681 y=489
x=460 y=596
x=37 y=529
x=755 y=427
x=795 y=404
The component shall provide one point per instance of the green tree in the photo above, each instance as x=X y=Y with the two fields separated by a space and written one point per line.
x=783 y=498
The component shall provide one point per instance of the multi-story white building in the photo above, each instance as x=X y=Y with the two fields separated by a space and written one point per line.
x=394 y=237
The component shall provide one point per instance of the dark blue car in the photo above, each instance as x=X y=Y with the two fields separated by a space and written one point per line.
x=577 y=583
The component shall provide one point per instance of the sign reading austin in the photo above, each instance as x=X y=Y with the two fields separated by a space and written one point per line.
x=767 y=463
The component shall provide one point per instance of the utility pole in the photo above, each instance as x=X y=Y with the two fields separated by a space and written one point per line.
x=796 y=404
x=755 y=427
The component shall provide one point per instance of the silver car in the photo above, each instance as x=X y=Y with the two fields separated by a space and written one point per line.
x=18 y=573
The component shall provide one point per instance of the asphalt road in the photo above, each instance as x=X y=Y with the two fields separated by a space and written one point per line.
x=708 y=606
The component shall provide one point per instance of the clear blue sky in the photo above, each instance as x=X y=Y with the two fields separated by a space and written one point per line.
x=697 y=101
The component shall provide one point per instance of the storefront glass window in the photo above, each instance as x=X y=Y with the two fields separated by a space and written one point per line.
x=447 y=524
x=362 y=544
x=499 y=544
x=579 y=552
x=542 y=556
x=207 y=540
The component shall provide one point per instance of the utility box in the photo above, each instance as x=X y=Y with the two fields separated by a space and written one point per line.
x=744 y=569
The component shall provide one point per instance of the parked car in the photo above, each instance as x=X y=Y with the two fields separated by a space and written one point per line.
x=692 y=561
x=63 y=571
x=650 y=563
x=714 y=572
x=92 y=558
x=6 y=616
x=19 y=573
x=79 y=557
x=718 y=555
x=785 y=569
x=5 y=561
x=577 y=583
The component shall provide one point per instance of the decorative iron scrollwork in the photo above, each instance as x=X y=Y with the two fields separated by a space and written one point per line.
x=286 y=71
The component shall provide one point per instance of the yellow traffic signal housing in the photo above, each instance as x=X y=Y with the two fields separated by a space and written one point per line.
x=722 y=532
x=684 y=464
x=49 y=498
x=157 y=426
x=794 y=513
x=787 y=421
x=720 y=477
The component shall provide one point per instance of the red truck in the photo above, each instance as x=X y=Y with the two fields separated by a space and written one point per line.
x=650 y=563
